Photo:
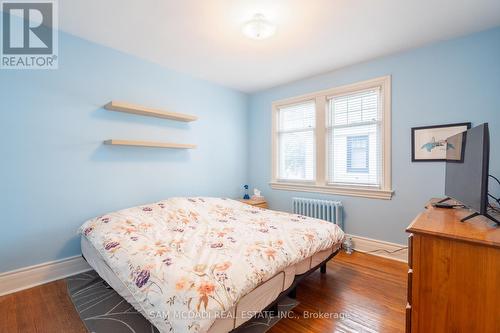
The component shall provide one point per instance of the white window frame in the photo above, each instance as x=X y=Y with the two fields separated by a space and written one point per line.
x=320 y=184
x=277 y=132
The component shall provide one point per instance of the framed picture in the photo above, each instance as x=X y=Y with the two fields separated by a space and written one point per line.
x=455 y=146
x=428 y=143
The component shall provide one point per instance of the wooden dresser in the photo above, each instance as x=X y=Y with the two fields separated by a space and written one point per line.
x=454 y=273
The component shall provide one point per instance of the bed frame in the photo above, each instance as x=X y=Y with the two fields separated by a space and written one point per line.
x=292 y=290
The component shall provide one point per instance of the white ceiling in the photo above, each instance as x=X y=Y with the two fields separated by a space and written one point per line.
x=203 y=37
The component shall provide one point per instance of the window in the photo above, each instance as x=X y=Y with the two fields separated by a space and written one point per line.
x=353 y=128
x=296 y=141
x=335 y=141
x=357 y=154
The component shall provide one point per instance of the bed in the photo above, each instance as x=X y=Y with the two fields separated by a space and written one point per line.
x=204 y=264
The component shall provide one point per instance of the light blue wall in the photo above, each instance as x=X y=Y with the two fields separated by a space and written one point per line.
x=55 y=173
x=453 y=81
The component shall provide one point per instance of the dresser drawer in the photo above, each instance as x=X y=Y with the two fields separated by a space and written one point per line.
x=410 y=250
x=408 y=318
x=409 y=286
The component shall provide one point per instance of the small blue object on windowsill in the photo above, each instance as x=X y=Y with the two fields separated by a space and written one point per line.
x=246 y=196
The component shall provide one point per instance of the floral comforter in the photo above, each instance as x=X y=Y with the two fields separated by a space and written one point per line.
x=187 y=260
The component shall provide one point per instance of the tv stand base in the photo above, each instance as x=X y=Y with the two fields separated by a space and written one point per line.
x=469 y=217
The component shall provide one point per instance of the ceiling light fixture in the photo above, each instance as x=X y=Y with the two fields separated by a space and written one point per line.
x=259 y=28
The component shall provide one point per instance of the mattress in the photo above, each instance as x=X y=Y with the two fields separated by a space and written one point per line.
x=200 y=264
x=253 y=302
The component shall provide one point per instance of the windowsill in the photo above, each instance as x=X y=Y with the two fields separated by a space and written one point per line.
x=364 y=192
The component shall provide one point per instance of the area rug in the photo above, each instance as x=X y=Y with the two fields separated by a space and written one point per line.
x=102 y=310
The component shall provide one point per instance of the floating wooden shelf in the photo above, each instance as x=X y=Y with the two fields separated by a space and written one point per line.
x=146 y=111
x=149 y=144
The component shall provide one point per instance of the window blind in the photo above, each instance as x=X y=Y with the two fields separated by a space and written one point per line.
x=296 y=137
x=354 y=138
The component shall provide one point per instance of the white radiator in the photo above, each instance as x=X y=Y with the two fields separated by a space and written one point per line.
x=321 y=209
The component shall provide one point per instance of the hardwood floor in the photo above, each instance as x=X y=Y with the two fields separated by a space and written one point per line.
x=360 y=293
x=43 y=309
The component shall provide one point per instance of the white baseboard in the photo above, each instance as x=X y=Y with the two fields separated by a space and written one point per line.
x=32 y=276
x=363 y=244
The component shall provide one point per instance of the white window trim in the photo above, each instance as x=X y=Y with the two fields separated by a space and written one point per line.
x=320 y=184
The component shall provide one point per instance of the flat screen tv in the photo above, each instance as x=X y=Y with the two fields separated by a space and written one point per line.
x=467 y=166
